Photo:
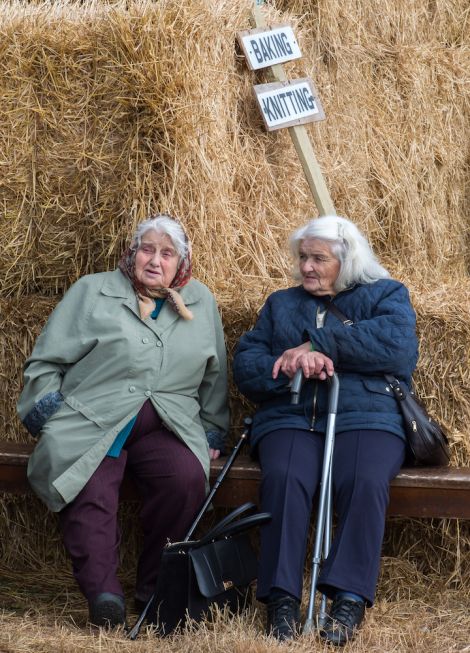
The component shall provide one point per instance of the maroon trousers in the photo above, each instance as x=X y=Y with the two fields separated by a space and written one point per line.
x=171 y=484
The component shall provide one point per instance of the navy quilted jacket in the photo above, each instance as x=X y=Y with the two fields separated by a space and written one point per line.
x=382 y=340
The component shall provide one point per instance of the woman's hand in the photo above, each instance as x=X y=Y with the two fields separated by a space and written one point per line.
x=314 y=364
x=214 y=453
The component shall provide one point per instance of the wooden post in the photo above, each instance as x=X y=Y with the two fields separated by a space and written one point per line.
x=300 y=138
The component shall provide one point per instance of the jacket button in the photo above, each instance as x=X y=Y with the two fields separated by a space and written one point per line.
x=145 y=340
x=159 y=344
x=132 y=388
x=148 y=393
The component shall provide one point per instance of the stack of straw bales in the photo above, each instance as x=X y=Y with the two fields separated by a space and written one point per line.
x=111 y=111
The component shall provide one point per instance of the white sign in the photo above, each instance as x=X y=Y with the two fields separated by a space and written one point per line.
x=264 y=47
x=286 y=104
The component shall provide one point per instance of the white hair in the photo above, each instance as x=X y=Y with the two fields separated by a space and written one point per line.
x=357 y=260
x=163 y=224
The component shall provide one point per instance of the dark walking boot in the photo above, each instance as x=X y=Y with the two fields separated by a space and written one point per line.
x=344 y=619
x=283 y=618
x=107 y=610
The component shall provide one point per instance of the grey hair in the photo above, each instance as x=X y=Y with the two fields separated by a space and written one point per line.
x=163 y=223
x=357 y=260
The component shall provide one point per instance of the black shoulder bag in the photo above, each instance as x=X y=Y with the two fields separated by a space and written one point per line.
x=426 y=440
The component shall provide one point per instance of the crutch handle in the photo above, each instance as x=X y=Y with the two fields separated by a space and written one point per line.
x=333 y=382
x=296 y=386
x=298 y=381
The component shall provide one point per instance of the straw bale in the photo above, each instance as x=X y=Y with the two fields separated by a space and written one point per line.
x=443 y=373
x=95 y=137
x=136 y=124
x=20 y=324
x=396 y=95
x=113 y=110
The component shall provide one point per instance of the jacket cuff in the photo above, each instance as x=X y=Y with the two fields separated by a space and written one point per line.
x=216 y=440
x=42 y=411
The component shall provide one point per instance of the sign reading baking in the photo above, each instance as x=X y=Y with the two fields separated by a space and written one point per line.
x=265 y=47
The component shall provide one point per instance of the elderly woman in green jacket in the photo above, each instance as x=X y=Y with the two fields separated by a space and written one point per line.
x=129 y=374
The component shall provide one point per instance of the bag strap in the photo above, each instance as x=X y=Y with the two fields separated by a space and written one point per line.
x=399 y=390
x=233 y=528
x=228 y=519
x=341 y=316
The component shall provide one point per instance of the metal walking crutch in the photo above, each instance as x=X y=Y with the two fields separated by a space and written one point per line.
x=223 y=473
x=325 y=505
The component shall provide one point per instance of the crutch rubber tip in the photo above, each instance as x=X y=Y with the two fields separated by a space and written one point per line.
x=309 y=627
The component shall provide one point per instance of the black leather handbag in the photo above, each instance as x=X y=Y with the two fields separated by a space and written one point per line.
x=216 y=570
x=427 y=443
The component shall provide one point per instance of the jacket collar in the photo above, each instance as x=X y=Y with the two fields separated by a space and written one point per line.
x=117 y=285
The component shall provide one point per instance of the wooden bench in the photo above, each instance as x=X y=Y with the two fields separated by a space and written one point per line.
x=415 y=492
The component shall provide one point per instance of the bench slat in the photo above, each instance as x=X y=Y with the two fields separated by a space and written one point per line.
x=442 y=492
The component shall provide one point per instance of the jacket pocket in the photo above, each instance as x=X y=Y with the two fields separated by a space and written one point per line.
x=380 y=395
x=86 y=411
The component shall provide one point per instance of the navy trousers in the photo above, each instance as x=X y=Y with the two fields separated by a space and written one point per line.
x=364 y=463
x=171 y=483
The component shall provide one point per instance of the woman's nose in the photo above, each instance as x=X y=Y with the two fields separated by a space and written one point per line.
x=155 y=260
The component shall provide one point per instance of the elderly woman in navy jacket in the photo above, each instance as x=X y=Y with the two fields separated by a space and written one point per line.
x=336 y=265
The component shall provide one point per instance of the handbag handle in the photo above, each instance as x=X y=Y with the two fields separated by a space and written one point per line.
x=223 y=523
x=247 y=522
x=235 y=527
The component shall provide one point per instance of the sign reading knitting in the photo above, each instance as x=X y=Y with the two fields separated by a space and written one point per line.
x=285 y=104
x=266 y=47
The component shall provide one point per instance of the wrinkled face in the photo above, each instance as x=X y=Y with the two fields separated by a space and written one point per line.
x=156 y=260
x=318 y=267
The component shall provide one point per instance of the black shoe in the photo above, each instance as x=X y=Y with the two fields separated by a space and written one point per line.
x=344 y=619
x=107 y=610
x=283 y=618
